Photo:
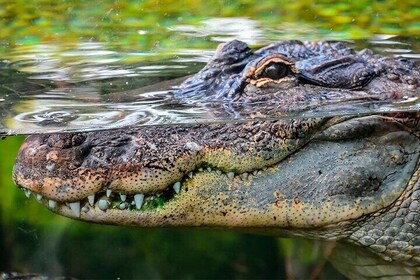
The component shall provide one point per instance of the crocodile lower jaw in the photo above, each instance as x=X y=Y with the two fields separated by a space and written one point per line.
x=105 y=200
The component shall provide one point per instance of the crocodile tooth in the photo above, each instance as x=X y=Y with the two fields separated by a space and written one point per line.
x=123 y=197
x=255 y=172
x=75 y=207
x=103 y=204
x=52 y=203
x=190 y=174
x=244 y=176
x=138 y=198
x=209 y=169
x=177 y=187
x=108 y=193
x=85 y=209
x=231 y=175
x=219 y=172
x=28 y=193
x=91 y=199
x=38 y=197
x=122 y=206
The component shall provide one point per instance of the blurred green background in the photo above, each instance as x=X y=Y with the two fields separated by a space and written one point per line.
x=35 y=21
x=34 y=240
x=144 y=25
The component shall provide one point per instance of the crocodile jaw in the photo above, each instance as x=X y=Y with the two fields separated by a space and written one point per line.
x=212 y=200
x=339 y=176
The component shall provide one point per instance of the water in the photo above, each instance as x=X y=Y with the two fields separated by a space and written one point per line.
x=63 y=87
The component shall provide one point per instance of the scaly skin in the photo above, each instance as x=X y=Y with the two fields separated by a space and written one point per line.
x=353 y=178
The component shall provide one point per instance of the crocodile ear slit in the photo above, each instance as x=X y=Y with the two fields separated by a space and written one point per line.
x=307 y=80
x=344 y=72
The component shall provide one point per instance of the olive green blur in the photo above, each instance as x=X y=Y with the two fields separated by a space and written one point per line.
x=147 y=24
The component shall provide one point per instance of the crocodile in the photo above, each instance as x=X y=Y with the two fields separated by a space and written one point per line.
x=353 y=178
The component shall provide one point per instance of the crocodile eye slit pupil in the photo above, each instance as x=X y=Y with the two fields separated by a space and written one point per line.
x=275 y=71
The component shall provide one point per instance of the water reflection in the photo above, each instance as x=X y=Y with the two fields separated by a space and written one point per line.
x=357 y=262
x=69 y=248
x=56 y=88
x=225 y=29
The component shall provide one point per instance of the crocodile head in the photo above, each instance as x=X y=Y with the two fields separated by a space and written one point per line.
x=330 y=177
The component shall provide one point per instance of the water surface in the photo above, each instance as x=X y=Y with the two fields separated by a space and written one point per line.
x=76 y=66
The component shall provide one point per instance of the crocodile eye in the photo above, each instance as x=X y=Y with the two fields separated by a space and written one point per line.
x=275 y=71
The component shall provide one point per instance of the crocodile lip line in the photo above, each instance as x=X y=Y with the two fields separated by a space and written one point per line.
x=107 y=199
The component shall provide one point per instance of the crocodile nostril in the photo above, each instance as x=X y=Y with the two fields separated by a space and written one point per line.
x=78 y=139
x=61 y=141
x=65 y=141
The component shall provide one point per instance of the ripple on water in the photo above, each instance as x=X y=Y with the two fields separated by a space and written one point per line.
x=91 y=85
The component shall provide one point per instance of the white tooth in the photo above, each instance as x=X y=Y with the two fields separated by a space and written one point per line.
x=231 y=175
x=103 y=204
x=209 y=169
x=190 y=174
x=123 y=197
x=75 y=207
x=38 y=197
x=52 y=204
x=138 y=198
x=91 y=199
x=123 y=205
x=108 y=193
x=218 y=172
x=200 y=169
x=244 y=176
x=177 y=187
x=255 y=172
x=28 y=193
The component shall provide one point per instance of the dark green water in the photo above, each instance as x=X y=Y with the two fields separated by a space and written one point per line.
x=115 y=45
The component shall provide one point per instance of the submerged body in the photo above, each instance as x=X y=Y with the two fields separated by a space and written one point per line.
x=352 y=178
